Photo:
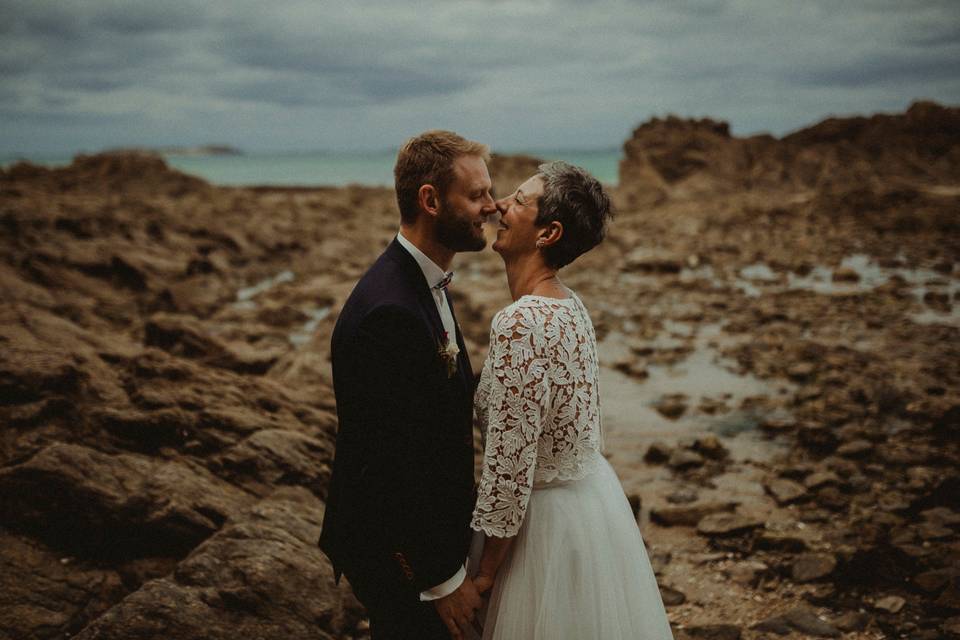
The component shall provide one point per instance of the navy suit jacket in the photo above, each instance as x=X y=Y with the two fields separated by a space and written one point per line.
x=402 y=490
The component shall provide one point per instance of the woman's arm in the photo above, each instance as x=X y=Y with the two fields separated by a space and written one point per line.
x=494 y=551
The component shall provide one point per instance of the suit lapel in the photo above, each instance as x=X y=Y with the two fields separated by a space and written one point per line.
x=463 y=359
x=429 y=308
x=419 y=286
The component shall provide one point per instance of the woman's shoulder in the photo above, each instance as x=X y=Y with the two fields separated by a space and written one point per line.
x=530 y=311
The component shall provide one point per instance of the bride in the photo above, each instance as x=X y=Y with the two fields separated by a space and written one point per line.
x=562 y=556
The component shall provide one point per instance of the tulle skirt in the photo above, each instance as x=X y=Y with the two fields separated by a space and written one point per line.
x=577 y=570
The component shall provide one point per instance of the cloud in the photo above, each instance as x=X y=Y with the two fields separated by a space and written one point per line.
x=525 y=73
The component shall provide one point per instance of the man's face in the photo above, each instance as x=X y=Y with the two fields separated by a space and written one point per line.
x=466 y=206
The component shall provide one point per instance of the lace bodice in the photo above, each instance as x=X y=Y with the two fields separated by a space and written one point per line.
x=539 y=405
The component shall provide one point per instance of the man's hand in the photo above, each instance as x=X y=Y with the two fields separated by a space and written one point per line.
x=456 y=610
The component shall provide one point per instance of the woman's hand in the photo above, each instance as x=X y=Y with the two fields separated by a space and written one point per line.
x=482 y=582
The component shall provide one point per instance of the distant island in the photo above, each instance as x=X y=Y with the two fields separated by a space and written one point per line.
x=203 y=150
x=200 y=150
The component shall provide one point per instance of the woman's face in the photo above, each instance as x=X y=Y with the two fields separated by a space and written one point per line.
x=518 y=211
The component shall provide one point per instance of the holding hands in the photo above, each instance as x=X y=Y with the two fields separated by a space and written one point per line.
x=457 y=609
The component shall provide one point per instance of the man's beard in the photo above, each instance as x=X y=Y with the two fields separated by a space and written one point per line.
x=456 y=232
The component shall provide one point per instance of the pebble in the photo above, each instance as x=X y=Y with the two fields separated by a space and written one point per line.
x=812 y=566
x=890 y=604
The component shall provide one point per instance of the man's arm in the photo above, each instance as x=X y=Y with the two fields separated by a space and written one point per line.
x=393 y=354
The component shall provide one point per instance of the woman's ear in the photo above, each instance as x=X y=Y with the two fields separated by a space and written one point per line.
x=429 y=199
x=550 y=234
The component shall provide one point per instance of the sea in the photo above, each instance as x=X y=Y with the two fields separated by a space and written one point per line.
x=328 y=168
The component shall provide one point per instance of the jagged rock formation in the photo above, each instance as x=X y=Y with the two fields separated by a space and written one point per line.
x=675 y=158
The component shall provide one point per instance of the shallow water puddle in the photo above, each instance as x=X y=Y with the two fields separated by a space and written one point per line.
x=714 y=397
x=304 y=334
x=247 y=294
x=936 y=292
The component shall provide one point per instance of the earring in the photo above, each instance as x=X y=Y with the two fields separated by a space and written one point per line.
x=540 y=243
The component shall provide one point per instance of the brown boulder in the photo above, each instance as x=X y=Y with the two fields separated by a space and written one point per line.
x=261 y=576
x=80 y=499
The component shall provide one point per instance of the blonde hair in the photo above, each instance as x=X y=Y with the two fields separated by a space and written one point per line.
x=428 y=159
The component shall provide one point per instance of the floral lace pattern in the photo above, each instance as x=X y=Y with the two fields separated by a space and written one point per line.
x=539 y=403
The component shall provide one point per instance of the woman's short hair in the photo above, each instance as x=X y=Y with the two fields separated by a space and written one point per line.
x=428 y=159
x=575 y=199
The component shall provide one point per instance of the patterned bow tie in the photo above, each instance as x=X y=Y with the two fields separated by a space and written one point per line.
x=445 y=282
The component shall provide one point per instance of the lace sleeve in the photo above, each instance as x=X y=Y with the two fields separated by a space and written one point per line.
x=517 y=401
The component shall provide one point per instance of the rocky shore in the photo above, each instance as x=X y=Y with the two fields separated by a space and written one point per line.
x=778 y=323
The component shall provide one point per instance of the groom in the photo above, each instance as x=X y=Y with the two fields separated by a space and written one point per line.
x=401 y=493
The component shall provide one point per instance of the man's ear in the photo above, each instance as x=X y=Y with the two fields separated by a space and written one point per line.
x=429 y=199
x=550 y=234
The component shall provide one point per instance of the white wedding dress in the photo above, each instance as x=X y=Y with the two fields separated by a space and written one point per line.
x=578 y=568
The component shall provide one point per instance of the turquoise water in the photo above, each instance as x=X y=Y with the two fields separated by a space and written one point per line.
x=332 y=168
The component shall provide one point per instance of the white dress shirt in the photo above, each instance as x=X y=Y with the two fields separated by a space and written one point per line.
x=434 y=274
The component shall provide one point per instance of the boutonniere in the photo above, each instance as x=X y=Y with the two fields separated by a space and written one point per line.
x=448 y=351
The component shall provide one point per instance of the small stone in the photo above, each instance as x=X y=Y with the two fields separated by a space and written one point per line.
x=688 y=515
x=671 y=597
x=710 y=632
x=710 y=446
x=778 y=425
x=802 y=619
x=930 y=531
x=724 y=524
x=855 y=448
x=805 y=620
x=777 y=541
x=942 y=516
x=682 y=496
x=801 y=370
x=817 y=437
x=950 y=598
x=650 y=260
x=672 y=406
x=852 y=621
x=952 y=626
x=659 y=561
x=774 y=624
x=934 y=581
x=685 y=459
x=657 y=453
x=890 y=604
x=785 y=491
x=846 y=274
x=747 y=573
x=832 y=498
x=820 y=479
x=812 y=566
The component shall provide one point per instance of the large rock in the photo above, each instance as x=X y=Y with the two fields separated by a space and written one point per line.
x=676 y=158
x=273 y=457
x=261 y=576
x=187 y=337
x=46 y=595
x=79 y=499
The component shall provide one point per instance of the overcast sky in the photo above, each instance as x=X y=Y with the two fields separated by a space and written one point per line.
x=532 y=74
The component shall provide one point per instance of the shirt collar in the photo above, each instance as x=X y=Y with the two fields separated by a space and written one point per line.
x=431 y=271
